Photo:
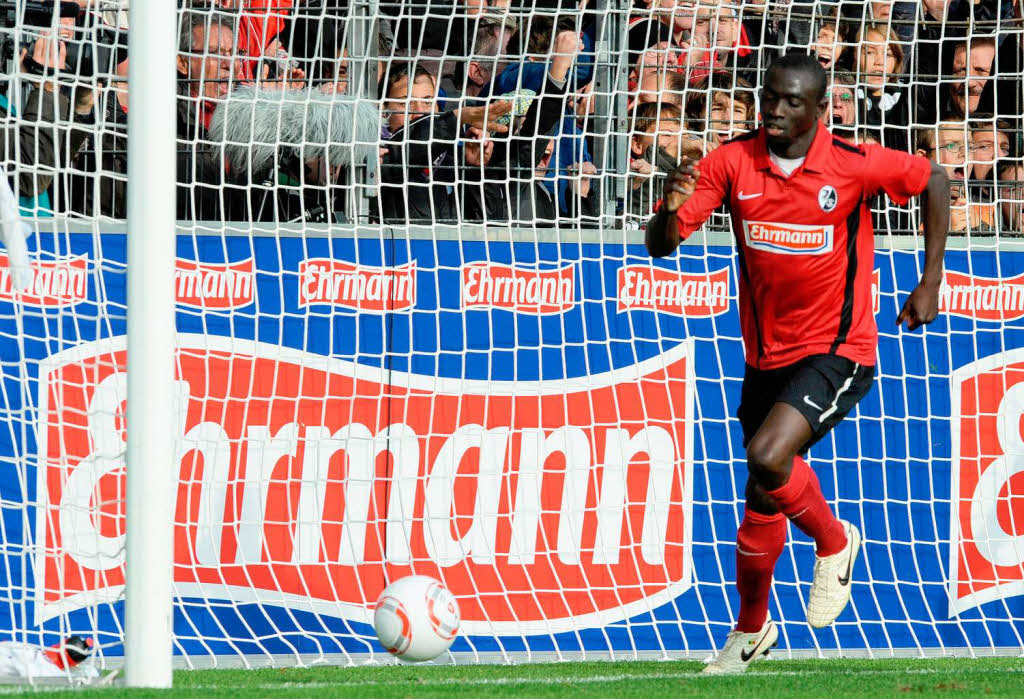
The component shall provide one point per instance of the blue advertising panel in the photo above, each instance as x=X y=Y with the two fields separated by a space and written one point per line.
x=546 y=427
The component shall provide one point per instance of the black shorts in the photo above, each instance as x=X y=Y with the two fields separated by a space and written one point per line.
x=823 y=387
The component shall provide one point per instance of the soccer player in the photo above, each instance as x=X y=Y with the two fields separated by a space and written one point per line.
x=798 y=198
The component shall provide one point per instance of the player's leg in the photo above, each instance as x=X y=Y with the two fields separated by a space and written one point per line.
x=775 y=466
x=759 y=542
x=819 y=393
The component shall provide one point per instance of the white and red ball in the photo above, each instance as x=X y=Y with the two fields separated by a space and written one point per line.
x=416 y=618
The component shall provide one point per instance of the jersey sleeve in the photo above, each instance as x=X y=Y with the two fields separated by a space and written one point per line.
x=900 y=175
x=709 y=194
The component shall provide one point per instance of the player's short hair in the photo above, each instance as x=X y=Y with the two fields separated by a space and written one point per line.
x=806 y=64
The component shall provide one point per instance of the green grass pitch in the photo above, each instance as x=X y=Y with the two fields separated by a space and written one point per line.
x=952 y=676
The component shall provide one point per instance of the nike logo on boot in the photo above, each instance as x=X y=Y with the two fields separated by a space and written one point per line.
x=845 y=580
x=745 y=656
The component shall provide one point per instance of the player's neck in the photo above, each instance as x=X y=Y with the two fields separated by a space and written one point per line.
x=797 y=148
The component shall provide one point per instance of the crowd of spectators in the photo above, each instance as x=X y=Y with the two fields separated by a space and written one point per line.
x=529 y=112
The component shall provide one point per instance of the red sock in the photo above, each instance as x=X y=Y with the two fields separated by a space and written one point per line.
x=801 y=500
x=759 y=543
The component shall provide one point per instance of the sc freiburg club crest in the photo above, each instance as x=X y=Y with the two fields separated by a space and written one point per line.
x=827 y=198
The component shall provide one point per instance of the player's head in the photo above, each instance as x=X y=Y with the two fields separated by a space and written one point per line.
x=793 y=97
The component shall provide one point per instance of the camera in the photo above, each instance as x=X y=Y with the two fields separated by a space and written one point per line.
x=39 y=14
x=94 y=49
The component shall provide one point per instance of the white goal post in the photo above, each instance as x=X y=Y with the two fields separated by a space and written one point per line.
x=297 y=327
x=150 y=476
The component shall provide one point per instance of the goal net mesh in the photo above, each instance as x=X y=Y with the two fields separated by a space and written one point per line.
x=419 y=331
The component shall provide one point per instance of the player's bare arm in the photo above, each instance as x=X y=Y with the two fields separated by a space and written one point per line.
x=663 y=233
x=922 y=305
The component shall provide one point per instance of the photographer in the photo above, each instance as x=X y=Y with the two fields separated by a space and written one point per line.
x=48 y=134
x=97 y=182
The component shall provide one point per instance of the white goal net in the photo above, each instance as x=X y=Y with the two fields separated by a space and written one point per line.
x=418 y=330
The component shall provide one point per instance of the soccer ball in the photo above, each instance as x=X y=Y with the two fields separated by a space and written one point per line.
x=416 y=618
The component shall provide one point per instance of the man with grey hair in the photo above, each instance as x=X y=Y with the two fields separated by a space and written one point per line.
x=208 y=66
x=207 y=63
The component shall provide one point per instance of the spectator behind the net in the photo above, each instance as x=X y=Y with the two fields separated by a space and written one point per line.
x=927 y=22
x=667 y=87
x=286 y=152
x=728 y=113
x=542 y=40
x=488 y=58
x=544 y=51
x=318 y=42
x=1011 y=196
x=732 y=48
x=989 y=143
x=832 y=38
x=657 y=143
x=208 y=68
x=971 y=73
x=436 y=25
x=98 y=181
x=515 y=159
x=946 y=144
x=49 y=131
x=842 y=112
x=551 y=194
x=418 y=170
x=664 y=23
x=490 y=165
x=883 y=101
x=866 y=136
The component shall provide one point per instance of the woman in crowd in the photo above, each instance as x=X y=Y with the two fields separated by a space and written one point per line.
x=884 y=100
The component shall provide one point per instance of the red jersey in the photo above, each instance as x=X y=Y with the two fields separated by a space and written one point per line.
x=805 y=242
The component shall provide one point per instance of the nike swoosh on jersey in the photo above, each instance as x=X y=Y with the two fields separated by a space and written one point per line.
x=741 y=196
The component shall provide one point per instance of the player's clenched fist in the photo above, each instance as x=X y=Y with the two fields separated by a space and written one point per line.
x=680 y=183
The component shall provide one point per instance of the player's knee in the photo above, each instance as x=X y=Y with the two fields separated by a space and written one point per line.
x=758 y=500
x=768 y=465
